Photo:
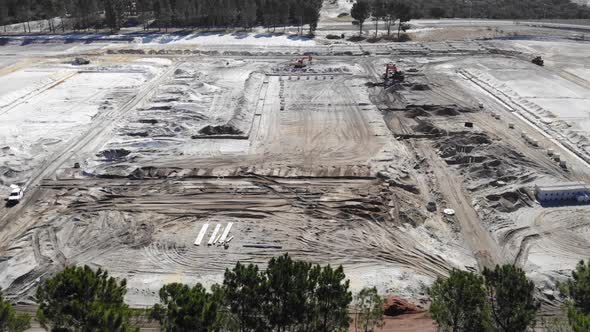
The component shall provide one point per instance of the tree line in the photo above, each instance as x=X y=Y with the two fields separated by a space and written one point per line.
x=500 y=9
x=298 y=296
x=161 y=14
x=390 y=11
x=288 y=296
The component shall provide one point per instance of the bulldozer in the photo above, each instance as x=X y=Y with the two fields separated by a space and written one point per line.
x=538 y=61
x=392 y=75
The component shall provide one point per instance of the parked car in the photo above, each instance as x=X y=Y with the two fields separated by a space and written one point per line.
x=16 y=194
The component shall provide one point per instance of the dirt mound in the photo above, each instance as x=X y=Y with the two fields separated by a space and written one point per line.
x=225 y=129
x=447 y=111
x=416 y=112
x=412 y=216
x=154 y=173
x=420 y=87
x=459 y=142
x=8 y=172
x=428 y=128
x=413 y=111
x=510 y=201
x=149 y=121
x=114 y=154
x=395 y=306
x=80 y=61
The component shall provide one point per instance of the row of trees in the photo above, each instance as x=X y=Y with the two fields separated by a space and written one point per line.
x=500 y=9
x=503 y=300
x=114 y=14
x=297 y=296
x=388 y=11
x=499 y=300
x=288 y=296
x=229 y=13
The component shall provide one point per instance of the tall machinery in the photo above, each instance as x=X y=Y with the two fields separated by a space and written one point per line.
x=303 y=62
x=392 y=75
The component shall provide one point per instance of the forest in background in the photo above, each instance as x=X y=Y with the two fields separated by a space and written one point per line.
x=161 y=14
x=84 y=15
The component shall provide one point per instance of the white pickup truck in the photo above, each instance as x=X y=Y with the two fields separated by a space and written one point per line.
x=16 y=194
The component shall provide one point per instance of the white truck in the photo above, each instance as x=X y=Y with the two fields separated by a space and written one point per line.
x=16 y=194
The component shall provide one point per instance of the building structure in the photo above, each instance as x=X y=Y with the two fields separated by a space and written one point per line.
x=562 y=191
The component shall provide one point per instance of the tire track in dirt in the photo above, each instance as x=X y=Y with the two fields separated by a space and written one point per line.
x=74 y=146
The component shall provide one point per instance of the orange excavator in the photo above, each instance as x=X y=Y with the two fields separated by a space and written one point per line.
x=392 y=75
x=300 y=63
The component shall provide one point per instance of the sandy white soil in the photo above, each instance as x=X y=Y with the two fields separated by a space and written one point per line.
x=319 y=162
x=44 y=107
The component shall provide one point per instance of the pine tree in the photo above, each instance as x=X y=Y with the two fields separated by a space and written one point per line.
x=579 y=322
x=165 y=13
x=243 y=287
x=391 y=11
x=511 y=294
x=459 y=303
x=185 y=308
x=285 y=292
x=4 y=18
x=10 y=321
x=248 y=10
x=405 y=15
x=332 y=298
x=361 y=11
x=378 y=10
x=578 y=287
x=368 y=310
x=81 y=299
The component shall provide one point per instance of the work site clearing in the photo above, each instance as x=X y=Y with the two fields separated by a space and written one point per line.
x=170 y=163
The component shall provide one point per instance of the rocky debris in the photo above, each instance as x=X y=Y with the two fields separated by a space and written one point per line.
x=395 y=306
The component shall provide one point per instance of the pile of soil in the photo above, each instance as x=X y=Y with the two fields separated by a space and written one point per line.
x=114 y=154
x=509 y=201
x=225 y=129
x=427 y=127
x=395 y=306
x=413 y=111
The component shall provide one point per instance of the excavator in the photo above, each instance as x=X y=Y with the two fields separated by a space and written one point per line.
x=392 y=75
x=300 y=63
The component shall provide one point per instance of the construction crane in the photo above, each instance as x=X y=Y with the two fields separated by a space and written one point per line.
x=300 y=63
x=392 y=75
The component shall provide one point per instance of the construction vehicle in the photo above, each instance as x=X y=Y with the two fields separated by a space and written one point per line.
x=300 y=63
x=16 y=194
x=392 y=75
x=538 y=61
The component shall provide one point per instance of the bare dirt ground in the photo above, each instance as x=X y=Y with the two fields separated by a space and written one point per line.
x=127 y=158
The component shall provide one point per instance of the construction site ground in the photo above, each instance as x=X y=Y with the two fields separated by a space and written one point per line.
x=125 y=159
